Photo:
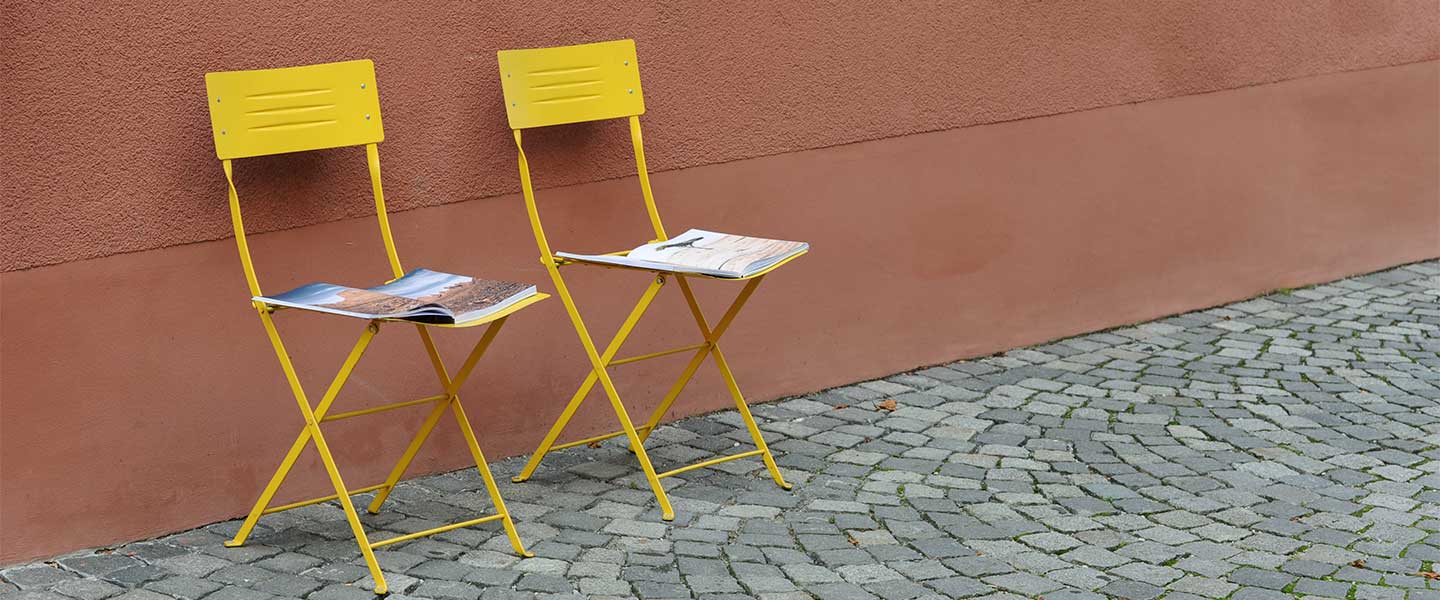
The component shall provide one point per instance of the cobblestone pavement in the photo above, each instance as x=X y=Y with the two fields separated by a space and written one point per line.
x=1281 y=447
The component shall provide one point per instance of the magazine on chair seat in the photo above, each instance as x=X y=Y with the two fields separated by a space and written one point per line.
x=422 y=295
x=703 y=252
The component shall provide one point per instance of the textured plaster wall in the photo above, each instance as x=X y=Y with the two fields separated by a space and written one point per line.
x=106 y=146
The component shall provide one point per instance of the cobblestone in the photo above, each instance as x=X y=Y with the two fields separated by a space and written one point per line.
x=1280 y=447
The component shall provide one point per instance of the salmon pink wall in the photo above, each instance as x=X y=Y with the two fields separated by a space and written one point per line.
x=107 y=139
x=972 y=175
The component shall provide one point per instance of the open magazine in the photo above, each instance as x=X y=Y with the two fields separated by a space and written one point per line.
x=703 y=252
x=422 y=295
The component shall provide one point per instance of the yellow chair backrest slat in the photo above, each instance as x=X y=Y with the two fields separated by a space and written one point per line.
x=570 y=84
x=274 y=111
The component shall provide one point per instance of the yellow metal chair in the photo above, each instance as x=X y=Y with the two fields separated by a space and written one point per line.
x=258 y=113
x=592 y=82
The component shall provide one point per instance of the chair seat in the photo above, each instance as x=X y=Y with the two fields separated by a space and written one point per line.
x=654 y=268
x=701 y=253
x=420 y=296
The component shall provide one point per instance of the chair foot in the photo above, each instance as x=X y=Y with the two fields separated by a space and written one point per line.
x=669 y=516
x=519 y=479
x=234 y=544
x=527 y=554
x=381 y=590
x=786 y=486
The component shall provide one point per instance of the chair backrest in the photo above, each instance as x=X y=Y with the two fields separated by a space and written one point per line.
x=570 y=84
x=574 y=84
x=296 y=109
x=274 y=111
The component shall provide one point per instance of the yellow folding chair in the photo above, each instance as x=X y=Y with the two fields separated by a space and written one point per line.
x=592 y=82
x=259 y=113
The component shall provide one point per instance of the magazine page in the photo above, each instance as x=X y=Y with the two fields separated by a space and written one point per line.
x=464 y=297
x=341 y=300
x=421 y=295
x=718 y=252
x=704 y=252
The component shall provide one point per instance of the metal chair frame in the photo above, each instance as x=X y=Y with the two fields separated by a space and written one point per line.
x=274 y=111
x=591 y=82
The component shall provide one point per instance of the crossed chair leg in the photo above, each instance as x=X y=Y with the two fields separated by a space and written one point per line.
x=449 y=400
x=638 y=435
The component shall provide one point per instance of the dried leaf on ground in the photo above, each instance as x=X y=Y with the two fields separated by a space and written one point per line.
x=1358 y=563
x=1428 y=575
x=841 y=406
x=593 y=445
x=887 y=406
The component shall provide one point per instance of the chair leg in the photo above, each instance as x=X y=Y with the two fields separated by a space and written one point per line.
x=428 y=425
x=744 y=409
x=269 y=493
x=490 y=485
x=312 y=433
x=712 y=338
x=597 y=366
x=637 y=436
x=351 y=515
x=667 y=512
x=431 y=420
x=591 y=378
x=312 y=426
x=452 y=402
x=452 y=387
x=421 y=436
x=674 y=392
x=304 y=438
x=398 y=470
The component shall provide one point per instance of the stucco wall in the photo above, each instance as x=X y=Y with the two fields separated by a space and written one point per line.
x=138 y=394
x=107 y=139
